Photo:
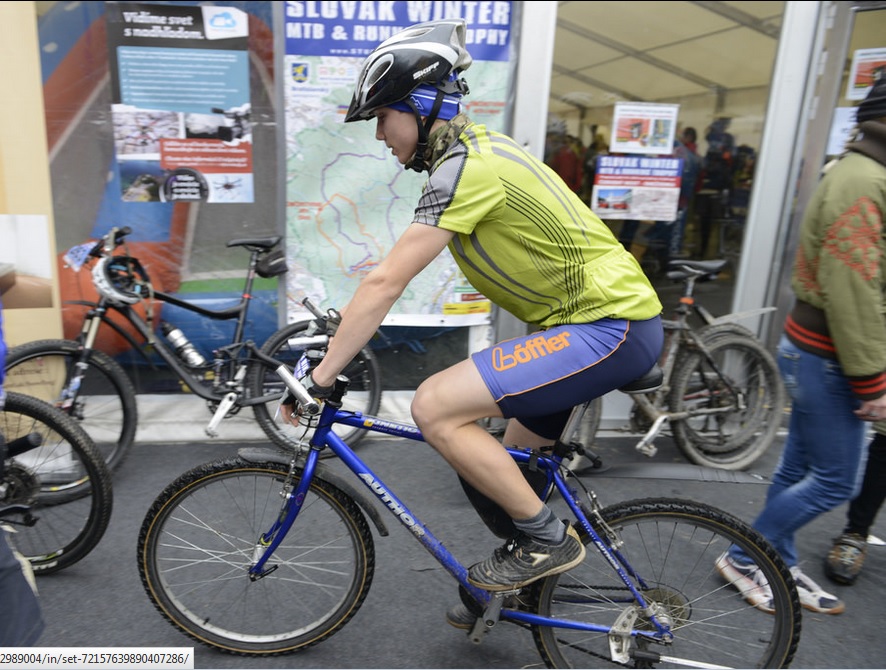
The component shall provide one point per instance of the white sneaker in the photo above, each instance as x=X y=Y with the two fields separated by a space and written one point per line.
x=813 y=597
x=750 y=582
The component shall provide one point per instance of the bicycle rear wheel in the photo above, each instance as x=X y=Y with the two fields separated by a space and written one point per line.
x=672 y=545
x=287 y=346
x=105 y=406
x=198 y=540
x=64 y=481
x=735 y=401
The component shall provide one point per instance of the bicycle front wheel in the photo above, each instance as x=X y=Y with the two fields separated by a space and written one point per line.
x=287 y=346
x=734 y=400
x=64 y=481
x=198 y=541
x=105 y=405
x=672 y=546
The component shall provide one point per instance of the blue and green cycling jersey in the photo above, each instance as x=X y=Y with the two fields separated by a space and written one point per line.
x=525 y=240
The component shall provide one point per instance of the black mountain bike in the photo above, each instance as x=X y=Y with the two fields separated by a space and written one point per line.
x=93 y=387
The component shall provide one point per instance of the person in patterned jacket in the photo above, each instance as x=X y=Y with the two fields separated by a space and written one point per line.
x=844 y=561
x=832 y=354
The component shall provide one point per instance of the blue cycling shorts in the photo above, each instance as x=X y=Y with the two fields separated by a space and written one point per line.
x=539 y=378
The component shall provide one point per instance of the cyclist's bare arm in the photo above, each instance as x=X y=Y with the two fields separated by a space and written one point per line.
x=374 y=297
x=377 y=292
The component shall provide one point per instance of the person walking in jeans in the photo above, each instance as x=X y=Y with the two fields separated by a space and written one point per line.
x=832 y=356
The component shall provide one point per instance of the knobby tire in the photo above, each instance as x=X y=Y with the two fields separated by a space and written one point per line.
x=106 y=405
x=197 y=542
x=64 y=481
x=673 y=545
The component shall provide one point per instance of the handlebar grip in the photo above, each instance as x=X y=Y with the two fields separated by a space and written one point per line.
x=308 y=404
x=312 y=308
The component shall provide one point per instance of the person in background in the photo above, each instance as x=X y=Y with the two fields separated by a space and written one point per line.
x=712 y=200
x=21 y=618
x=526 y=241
x=597 y=147
x=685 y=147
x=844 y=561
x=832 y=356
x=562 y=156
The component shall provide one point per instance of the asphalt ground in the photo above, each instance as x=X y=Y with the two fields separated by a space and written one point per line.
x=100 y=601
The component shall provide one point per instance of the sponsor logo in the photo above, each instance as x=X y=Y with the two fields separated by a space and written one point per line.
x=421 y=73
x=527 y=351
x=392 y=504
x=538 y=558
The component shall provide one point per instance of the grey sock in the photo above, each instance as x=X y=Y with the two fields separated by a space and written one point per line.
x=544 y=527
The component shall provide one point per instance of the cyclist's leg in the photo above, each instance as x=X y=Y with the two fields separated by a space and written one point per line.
x=446 y=408
x=536 y=376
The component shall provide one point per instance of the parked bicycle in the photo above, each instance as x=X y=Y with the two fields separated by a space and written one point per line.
x=267 y=553
x=55 y=489
x=722 y=398
x=93 y=387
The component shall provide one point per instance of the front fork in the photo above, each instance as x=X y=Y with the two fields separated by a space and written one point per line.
x=68 y=400
x=293 y=499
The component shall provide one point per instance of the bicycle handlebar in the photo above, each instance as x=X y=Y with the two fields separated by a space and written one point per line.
x=307 y=403
x=110 y=241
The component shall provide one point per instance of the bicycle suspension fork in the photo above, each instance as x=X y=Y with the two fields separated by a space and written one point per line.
x=88 y=334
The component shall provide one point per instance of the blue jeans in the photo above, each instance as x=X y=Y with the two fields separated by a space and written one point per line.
x=820 y=467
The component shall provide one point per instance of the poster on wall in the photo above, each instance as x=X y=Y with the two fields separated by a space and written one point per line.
x=347 y=198
x=637 y=187
x=867 y=65
x=180 y=102
x=643 y=128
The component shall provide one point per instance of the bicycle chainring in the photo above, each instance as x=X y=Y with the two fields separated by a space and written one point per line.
x=213 y=407
x=20 y=485
x=639 y=422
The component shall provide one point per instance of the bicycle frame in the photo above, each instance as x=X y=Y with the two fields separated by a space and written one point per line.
x=324 y=437
x=100 y=314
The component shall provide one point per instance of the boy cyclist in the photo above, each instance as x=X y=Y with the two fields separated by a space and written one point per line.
x=529 y=244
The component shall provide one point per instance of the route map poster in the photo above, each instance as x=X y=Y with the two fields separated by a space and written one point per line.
x=347 y=197
x=180 y=102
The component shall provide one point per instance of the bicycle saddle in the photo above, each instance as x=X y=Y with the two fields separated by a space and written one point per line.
x=648 y=383
x=261 y=242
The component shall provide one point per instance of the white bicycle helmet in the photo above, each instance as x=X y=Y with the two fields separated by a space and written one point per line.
x=121 y=279
x=426 y=53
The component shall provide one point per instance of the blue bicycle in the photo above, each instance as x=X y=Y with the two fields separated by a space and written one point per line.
x=270 y=552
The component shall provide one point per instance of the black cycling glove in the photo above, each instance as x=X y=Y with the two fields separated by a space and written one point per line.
x=316 y=391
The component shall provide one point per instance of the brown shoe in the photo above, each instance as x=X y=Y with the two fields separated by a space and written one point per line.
x=845 y=559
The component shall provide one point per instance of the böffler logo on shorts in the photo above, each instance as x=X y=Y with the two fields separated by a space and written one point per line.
x=528 y=351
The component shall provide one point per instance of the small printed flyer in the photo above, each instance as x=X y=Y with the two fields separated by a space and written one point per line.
x=181 y=102
x=867 y=65
x=637 y=187
x=643 y=128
